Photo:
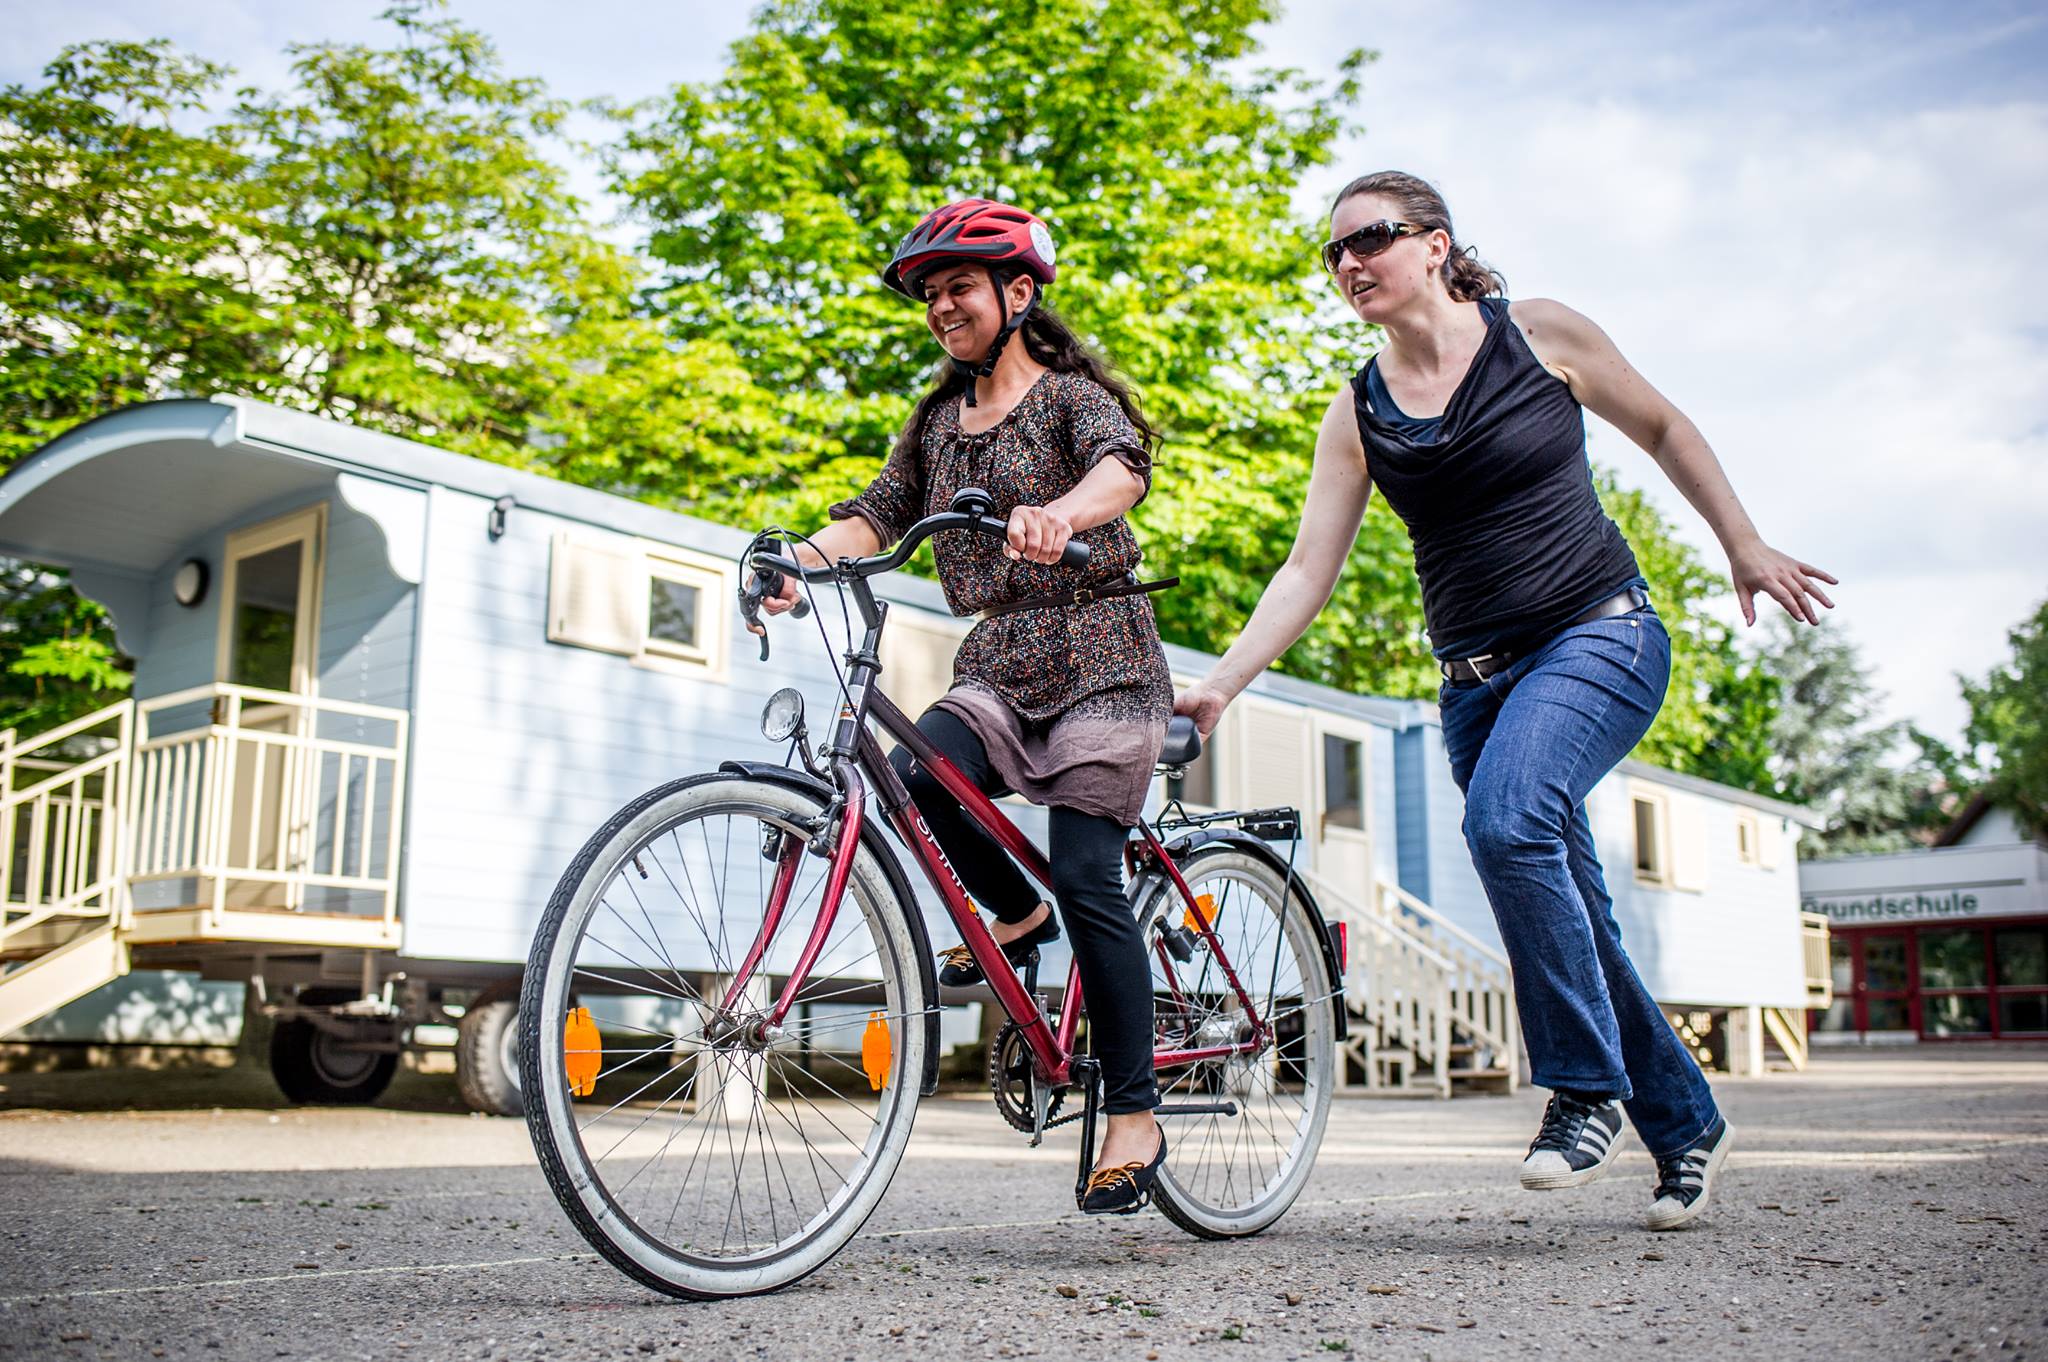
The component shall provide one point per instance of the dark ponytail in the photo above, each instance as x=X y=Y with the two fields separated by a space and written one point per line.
x=1465 y=276
x=1052 y=343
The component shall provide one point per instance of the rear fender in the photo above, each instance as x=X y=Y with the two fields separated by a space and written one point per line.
x=885 y=855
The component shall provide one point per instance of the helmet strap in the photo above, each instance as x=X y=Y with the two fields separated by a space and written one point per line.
x=972 y=371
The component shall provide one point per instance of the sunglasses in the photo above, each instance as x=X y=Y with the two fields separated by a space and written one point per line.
x=1367 y=241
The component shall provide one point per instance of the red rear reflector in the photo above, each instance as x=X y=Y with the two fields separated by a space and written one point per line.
x=1340 y=932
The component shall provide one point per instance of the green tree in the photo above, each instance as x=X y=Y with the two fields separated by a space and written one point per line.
x=126 y=261
x=2009 y=722
x=1720 y=707
x=58 y=659
x=1167 y=168
x=1882 y=786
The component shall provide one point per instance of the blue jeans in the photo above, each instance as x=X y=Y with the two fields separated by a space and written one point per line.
x=1526 y=746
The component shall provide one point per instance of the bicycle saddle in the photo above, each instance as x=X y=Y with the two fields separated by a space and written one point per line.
x=1183 y=742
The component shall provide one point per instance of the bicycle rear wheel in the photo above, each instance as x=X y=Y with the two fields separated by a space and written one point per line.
x=1227 y=1176
x=720 y=1156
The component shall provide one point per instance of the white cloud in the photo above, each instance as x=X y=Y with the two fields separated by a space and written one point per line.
x=1815 y=227
x=1836 y=282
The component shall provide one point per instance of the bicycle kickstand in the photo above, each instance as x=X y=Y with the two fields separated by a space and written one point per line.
x=1087 y=1074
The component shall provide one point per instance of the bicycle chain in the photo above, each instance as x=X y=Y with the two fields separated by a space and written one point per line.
x=1011 y=1079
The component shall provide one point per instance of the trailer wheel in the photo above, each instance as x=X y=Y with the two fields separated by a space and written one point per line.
x=314 y=1067
x=487 y=1052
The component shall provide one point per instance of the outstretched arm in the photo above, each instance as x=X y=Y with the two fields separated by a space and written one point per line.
x=1338 y=487
x=1608 y=385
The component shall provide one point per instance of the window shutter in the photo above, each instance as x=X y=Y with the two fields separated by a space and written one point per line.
x=1272 y=741
x=1770 y=842
x=597 y=595
x=1688 y=843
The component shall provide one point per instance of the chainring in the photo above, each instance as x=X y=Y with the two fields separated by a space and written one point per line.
x=1012 y=1081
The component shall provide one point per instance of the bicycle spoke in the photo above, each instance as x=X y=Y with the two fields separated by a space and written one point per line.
x=745 y=1139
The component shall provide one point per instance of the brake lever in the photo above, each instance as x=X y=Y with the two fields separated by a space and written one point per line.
x=767 y=583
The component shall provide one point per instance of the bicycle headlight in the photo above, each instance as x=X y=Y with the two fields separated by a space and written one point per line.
x=782 y=718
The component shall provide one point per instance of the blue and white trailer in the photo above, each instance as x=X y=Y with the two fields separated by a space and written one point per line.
x=383 y=693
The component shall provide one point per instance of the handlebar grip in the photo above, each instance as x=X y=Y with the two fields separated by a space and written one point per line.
x=1075 y=554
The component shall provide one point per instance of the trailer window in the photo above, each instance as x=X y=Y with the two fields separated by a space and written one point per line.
x=1649 y=821
x=687 y=600
x=673 y=607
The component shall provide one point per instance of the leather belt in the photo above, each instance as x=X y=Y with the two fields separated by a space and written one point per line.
x=1129 y=586
x=1467 y=671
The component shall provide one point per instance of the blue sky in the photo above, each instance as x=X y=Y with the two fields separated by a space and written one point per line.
x=1817 y=227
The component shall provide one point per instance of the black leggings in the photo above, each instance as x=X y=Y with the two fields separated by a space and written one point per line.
x=1087 y=881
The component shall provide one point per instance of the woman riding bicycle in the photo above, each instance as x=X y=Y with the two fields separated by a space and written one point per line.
x=1065 y=704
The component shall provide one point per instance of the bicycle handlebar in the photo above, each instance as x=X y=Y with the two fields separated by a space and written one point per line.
x=1075 y=554
x=771 y=568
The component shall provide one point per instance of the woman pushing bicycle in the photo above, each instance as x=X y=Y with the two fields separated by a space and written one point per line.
x=1062 y=700
x=1554 y=662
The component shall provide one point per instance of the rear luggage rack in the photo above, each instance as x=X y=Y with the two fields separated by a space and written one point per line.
x=1280 y=824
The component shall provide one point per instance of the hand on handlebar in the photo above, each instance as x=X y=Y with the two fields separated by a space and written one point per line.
x=1037 y=534
x=783 y=599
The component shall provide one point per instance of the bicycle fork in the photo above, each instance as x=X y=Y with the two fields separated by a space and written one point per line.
x=844 y=834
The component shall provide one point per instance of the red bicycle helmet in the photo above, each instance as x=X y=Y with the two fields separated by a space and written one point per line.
x=979 y=230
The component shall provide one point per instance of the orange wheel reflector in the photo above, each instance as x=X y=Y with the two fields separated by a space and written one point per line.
x=1203 y=914
x=581 y=1052
x=876 y=1051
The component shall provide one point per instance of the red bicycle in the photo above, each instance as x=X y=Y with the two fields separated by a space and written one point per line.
x=731 y=1010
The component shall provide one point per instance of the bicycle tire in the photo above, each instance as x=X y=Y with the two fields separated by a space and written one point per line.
x=1189 y=1191
x=572 y=1173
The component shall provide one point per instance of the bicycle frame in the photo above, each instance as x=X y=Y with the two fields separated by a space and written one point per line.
x=857 y=762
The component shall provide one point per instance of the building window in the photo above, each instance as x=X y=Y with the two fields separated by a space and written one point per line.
x=683 y=625
x=1343 y=782
x=1651 y=867
x=1954 y=987
x=658 y=605
x=674 y=608
x=1953 y=981
x=1747 y=838
x=2020 y=972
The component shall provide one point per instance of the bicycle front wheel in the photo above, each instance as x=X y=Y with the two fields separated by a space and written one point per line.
x=713 y=1154
x=1231 y=1175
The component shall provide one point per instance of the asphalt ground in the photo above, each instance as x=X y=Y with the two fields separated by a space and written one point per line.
x=1888 y=1204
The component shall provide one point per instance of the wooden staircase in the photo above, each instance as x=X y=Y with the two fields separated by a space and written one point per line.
x=1431 y=1006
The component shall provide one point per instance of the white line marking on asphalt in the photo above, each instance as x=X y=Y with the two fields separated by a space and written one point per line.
x=292 y=1277
x=1076 y=1218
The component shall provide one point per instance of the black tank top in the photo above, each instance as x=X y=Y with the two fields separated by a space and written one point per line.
x=1511 y=544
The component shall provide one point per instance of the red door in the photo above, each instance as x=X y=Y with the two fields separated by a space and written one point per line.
x=1885 y=997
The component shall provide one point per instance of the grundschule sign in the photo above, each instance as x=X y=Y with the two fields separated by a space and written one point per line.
x=1988 y=898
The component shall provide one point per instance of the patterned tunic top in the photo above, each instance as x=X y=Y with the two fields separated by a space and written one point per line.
x=1071 y=703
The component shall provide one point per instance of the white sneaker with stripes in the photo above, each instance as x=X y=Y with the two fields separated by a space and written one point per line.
x=1578 y=1142
x=1686 y=1179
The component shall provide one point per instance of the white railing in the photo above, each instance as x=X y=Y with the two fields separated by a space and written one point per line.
x=1403 y=998
x=262 y=803
x=1481 y=986
x=1820 y=969
x=1422 y=985
x=60 y=842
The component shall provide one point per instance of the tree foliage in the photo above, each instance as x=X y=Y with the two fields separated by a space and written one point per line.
x=775 y=193
x=2009 y=723
x=387 y=240
x=122 y=272
x=1882 y=786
